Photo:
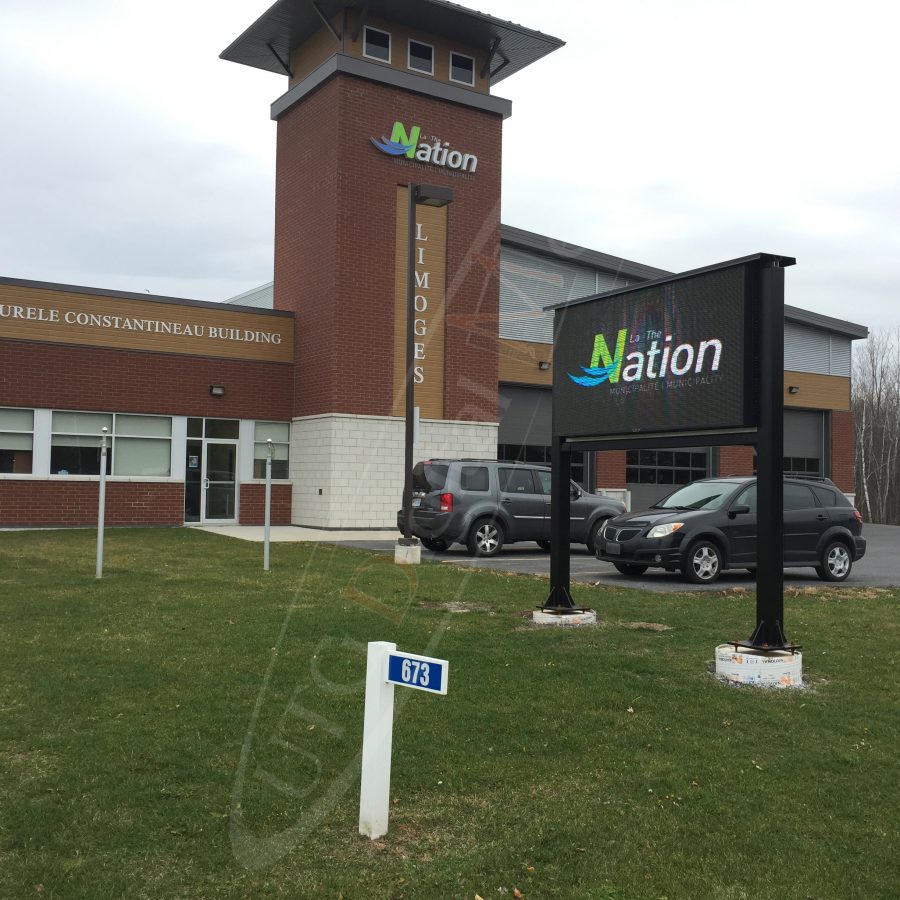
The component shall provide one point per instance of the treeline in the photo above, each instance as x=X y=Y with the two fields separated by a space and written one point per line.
x=876 y=409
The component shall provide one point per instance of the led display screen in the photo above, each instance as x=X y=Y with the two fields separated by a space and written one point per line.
x=669 y=358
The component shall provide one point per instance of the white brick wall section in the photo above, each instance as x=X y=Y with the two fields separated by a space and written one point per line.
x=357 y=464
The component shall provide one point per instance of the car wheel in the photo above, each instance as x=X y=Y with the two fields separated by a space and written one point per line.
x=593 y=542
x=631 y=569
x=835 y=562
x=485 y=538
x=544 y=545
x=703 y=563
x=434 y=546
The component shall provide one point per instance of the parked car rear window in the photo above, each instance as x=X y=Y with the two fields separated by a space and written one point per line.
x=474 y=478
x=699 y=495
x=828 y=497
x=516 y=481
x=429 y=477
x=798 y=496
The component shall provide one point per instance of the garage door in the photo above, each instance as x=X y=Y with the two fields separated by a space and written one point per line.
x=804 y=442
x=526 y=429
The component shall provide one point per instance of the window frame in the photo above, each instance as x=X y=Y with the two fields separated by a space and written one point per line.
x=450 y=68
x=30 y=471
x=111 y=446
x=262 y=443
x=390 y=46
x=409 y=64
x=140 y=437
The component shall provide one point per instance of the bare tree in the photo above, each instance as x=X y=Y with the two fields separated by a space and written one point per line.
x=876 y=409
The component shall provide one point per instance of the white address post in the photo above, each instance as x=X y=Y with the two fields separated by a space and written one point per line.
x=101 y=504
x=268 y=518
x=385 y=667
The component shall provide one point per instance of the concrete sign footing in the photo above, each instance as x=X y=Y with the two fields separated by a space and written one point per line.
x=574 y=618
x=765 y=668
x=408 y=554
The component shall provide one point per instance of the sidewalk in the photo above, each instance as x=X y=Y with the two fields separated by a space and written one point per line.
x=285 y=534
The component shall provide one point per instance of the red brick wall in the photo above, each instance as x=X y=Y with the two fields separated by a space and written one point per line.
x=335 y=214
x=610 y=469
x=843 y=443
x=735 y=461
x=55 y=376
x=63 y=503
x=253 y=504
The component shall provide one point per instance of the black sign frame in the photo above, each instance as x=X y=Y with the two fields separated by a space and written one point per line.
x=762 y=427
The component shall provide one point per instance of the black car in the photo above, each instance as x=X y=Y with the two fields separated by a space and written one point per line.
x=485 y=504
x=708 y=526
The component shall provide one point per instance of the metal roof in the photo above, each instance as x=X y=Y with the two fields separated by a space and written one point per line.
x=783 y=261
x=539 y=243
x=289 y=23
x=826 y=323
x=129 y=295
x=791 y=313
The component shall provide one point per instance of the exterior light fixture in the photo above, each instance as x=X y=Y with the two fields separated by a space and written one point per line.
x=426 y=195
x=217 y=390
x=793 y=389
x=543 y=365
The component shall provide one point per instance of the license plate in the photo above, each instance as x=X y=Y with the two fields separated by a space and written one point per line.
x=417 y=502
x=613 y=549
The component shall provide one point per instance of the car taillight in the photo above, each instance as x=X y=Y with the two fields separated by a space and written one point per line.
x=858 y=516
x=446 y=502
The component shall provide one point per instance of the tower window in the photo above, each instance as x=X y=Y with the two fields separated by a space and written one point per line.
x=462 y=68
x=377 y=44
x=421 y=57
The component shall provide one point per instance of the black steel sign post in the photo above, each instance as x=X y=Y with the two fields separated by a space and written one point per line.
x=693 y=359
x=769 y=631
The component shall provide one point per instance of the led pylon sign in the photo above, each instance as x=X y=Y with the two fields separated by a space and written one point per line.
x=666 y=358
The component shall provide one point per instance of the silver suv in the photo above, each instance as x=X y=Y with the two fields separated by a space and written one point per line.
x=485 y=504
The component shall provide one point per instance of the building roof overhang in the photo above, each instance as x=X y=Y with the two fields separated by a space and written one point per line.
x=268 y=42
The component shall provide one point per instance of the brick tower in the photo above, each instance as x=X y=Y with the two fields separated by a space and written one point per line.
x=383 y=94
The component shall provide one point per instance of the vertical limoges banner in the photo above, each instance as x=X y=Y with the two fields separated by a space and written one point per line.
x=431 y=294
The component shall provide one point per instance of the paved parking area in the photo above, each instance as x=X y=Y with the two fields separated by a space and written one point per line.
x=879 y=568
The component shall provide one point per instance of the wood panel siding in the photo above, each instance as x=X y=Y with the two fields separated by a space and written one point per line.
x=61 y=317
x=817 y=391
x=315 y=50
x=519 y=362
x=431 y=297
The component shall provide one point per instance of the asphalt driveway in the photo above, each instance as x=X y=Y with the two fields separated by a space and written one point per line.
x=880 y=567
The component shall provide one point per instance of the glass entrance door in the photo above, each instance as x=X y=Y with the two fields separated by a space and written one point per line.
x=219 y=485
x=210 y=488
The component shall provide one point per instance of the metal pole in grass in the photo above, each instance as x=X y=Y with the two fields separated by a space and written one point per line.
x=268 y=502
x=101 y=512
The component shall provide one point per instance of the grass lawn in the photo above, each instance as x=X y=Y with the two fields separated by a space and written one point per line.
x=190 y=727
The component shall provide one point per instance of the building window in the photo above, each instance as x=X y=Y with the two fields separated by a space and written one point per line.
x=668 y=467
x=421 y=57
x=75 y=443
x=536 y=453
x=138 y=445
x=377 y=44
x=142 y=445
x=462 y=68
x=798 y=465
x=280 y=433
x=16 y=441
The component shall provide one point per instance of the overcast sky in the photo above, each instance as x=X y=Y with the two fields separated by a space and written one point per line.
x=673 y=134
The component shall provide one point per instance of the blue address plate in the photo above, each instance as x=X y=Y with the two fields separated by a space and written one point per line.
x=421 y=672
